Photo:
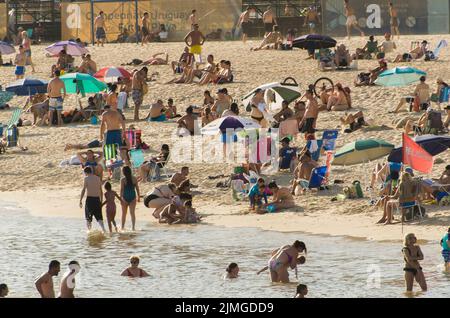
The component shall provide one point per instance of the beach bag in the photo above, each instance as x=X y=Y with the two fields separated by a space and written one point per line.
x=444 y=201
x=435 y=123
x=350 y=192
x=429 y=56
x=407 y=57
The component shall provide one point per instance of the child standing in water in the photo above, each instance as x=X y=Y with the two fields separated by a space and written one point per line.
x=110 y=201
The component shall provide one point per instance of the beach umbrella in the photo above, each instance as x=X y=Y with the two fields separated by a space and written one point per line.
x=276 y=93
x=314 y=42
x=111 y=74
x=433 y=144
x=27 y=87
x=361 y=151
x=6 y=48
x=399 y=76
x=229 y=122
x=82 y=83
x=71 y=47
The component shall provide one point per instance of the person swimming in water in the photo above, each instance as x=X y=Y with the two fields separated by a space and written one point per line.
x=283 y=258
x=110 y=201
x=232 y=271
x=134 y=271
x=302 y=291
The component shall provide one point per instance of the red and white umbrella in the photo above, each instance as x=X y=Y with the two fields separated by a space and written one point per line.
x=111 y=74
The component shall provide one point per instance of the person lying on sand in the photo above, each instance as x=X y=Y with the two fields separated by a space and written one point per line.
x=93 y=144
x=414 y=54
x=134 y=271
x=354 y=121
x=156 y=60
x=367 y=79
x=273 y=40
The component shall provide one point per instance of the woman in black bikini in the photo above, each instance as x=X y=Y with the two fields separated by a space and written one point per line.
x=134 y=271
x=258 y=104
x=412 y=254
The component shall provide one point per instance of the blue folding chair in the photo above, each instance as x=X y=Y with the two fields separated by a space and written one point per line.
x=318 y=176
x=316 y=154
x=329 y=139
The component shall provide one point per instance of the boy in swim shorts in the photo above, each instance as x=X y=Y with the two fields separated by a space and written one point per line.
x=20 y=61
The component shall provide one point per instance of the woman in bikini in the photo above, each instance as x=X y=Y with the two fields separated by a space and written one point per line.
x=283 y=258
x=160 y=197
x=134 y=271
x=412 y=254
x=128 y=188
x=258 y=105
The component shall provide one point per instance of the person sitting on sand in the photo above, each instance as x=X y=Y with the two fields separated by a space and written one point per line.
x=302 y=291
x=134 y=271
x=208 y=100
x=175 y=211
x=87 y=65
x=157 y=112
x=153 y=166
x=388 y=46
x=367 y=79
x=342 y=57
x=422 y=92
x=207 y=116
x=186 y=59
x=181 y=176
x=287 y=155
x=302 y=174
x=340 y=99
x=221 y=104
x=412 y=254
x=233 y=111
x=273 y=40
x=110 y=201
x=412 y=127
x=190 y=214
x=156 y=60
x=187 y=122
x=414 y=54
x=282 y=259
x=232 y=271
x=284 y=113
x=282 y=197
x=354 y=121
x=171 y=110
x=225 y=75
x=89 y=159
x=256 y=194
x=205 y=74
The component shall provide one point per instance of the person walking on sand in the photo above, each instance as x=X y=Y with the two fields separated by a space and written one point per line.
x=352 y=22
x=100 y=28
x=92 y=187
x=68 y=281
x=445 y=243
x=44 y=283
x=145 y=28
x=269 y=20
x=26 y=44
x=110 y=201
x=138 y=86
x=194 y=40
x=412 y=254
x=20 y=61
x=244 y=23
x=134 y=271
x=56 y=91
x=129 y=186
x=394 y=20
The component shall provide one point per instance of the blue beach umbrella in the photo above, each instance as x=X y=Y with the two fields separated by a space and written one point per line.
x=399 y=76
x=27 y=87
x=433 y=144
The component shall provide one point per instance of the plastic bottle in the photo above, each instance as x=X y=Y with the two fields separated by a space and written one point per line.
x=94 y=120
x=359 y=192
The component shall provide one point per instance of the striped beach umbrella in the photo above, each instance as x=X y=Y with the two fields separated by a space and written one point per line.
x=111 y=74
x=361 y=151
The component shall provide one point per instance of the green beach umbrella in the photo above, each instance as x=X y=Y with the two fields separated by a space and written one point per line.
x=82 y=83
x=361 y=151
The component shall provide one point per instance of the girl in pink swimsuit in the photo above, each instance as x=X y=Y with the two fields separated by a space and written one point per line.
x=110 y=201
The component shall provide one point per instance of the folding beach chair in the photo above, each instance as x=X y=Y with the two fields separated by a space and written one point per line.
x=442 y=44
x=163 y=169
x=137 y=158
x=12 y=136
x=134 y=137
x=329 y=138
x=317 y=179
x=111 y=155
x=15 y=116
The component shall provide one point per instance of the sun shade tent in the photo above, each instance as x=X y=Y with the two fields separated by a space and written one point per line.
x=399 y=76
x=276 y=93
x=71 y=47
x=433 y=144
x=361 y=151
x=314 y=42
x=27 y=87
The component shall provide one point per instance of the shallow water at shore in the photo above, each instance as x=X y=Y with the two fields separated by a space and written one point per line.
x=189 y=261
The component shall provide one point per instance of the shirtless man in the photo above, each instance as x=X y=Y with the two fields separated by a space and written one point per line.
x=352 y=22
x=273 y=38
x=54 y=89
x=194 y=40
x=312 y=19
x=111 y=99
x=68 y=281
x=394 y=20
x=269 y=20
x=112 y=129
x=422 y=92
x=193 y=19
x=137 y=92
x=88 y=66
x=100 y=28
x=308 y=122
x=188 y=121
x=156 y=60
x=92 y=187
x=145 y=29
x=181 y=176
x=221 y=104
x=20 y=61
x=244 y=23
x=302 y=174
x=44 y=283
x=157 y=112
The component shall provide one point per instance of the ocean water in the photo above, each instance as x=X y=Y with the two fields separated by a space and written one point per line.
x=189 y=261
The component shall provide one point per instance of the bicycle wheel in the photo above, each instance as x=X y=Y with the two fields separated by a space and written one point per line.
x=322 y=83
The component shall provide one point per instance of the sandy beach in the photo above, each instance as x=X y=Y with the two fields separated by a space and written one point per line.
x=34 y=179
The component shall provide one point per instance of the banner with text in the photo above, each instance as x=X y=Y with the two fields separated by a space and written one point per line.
x=414 y=17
